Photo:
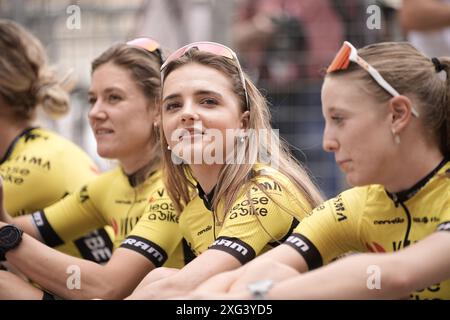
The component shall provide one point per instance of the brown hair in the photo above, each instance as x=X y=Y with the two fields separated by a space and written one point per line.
x=26 y=81
x=143 y=66
x=414 y=74
x=144 y=69
x=235 y=177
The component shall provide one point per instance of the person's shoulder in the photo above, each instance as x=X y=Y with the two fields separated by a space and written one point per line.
x=360 y=191
x=46 y=136
x=47 y=150
x=156 y=179
x=53 y=146
x=440 y=185
x=35 y=140
x=115 y=173
x=106 y=180
x=270 y=179
x=445 y=174
x=358 y=195
x=155 y=186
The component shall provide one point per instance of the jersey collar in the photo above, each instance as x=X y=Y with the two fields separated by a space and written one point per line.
x=138 y=177
x=207 y=198
x=405 y=195
x=14 y=142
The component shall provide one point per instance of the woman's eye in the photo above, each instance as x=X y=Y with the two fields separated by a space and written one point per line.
x=337 y=119
x=171 y=106
x=114 y=98
x=92 y=100
x=209 y=101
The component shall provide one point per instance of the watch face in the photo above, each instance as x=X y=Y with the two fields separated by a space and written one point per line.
x=10 y=236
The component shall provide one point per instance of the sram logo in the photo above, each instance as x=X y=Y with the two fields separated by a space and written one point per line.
x=297 y=242
x=272 y=186
x=144 y=247
x=230 y=244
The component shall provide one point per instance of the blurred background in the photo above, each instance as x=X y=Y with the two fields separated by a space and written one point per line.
x=283 y=44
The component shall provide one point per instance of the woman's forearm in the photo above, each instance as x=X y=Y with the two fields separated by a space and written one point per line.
x=360 y=276
x=63 y=275
x=374 y=276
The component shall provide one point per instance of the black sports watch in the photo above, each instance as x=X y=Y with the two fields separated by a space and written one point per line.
x=260 y=288
x=10 y=238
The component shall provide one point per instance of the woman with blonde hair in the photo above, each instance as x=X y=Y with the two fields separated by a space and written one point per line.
x=38 y=166
x=387 y=114
x=217 y=140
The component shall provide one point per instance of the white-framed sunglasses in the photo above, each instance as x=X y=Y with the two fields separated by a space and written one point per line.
x=349 y=53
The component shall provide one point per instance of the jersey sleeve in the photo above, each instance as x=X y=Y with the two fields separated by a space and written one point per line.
x=331 y=230
x=70 y=218
x=157 y=234
x=263 y=217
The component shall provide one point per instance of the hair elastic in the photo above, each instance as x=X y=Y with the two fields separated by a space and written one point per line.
x=437 y=64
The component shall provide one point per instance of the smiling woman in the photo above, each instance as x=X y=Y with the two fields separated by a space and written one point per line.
x=240 y=209
x=220 y=111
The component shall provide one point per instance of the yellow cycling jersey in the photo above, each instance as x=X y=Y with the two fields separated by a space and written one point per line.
x=254 y=224
x=40 y=168
x=369 y=219
x=140 y=212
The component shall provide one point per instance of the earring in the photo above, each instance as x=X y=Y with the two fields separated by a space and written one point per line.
x=168 y=147
x=396 y=137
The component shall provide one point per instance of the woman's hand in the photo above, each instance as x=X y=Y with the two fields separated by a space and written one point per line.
x=265 y=269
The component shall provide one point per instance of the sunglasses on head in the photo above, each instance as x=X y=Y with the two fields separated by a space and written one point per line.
x=148 y=44
x=349 y=53
x=214 y=48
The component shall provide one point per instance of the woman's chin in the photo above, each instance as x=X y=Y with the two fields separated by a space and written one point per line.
x=106 y=153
